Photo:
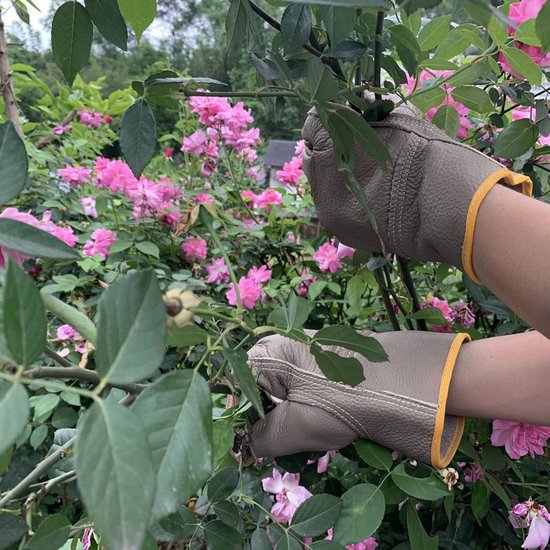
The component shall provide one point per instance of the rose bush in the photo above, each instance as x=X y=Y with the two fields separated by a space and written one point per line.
x=138 y=269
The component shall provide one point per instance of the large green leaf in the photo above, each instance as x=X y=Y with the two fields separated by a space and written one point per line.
x=321 y=82
x=434 y=32
x=516 y=139
x=339 y=23
x=361 y=514
x=23 y=317
x=523 y=64
x=295 y=26
x=14 y=413
x=407 y=47
x=12 y=529
x=220 y=536
x=347 y=370
x=446 y=118
x=237 y=360
x=474 y=98
x=454 y=43
x=29 y=240
x=349 y=338
x=72 y=35
x=418 y=538
x=131 y=330
x=138 y=136
x=115 y=473
x=109 y=22
x=316 y=515
x=428 y=99
x=542 y=25
x=427 y=488
x=138 y=13
x=14 y=163
x=292 y=315
x=374 y=455
x=176 y=415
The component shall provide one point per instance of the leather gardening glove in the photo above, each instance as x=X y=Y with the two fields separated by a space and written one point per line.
x=425 y=203
x=400 y=404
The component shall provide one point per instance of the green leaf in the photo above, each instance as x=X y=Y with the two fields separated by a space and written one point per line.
x=427 y=488
x=29 y=240
x=237 y=360
x=14 y=414
x=354 y=292
x=72 y=34
x=293 y=315
x=220 y=536
x=295 y=26
x=516 y=139
x=326 y=545
x=149 y=248
x=339 y=23
x=138 y=136
x=51 y=534
x=542 y=25
x=12 y=529
x=438 y=64
x=446 y=118
x=527 y=33
x=347 y=370
x=131 y=330
x=474 y=98
x=186 y=336
x=14 y=163
x=365 y=135
x=24 y=317
x=497 y=30
x=374 y=455
x=350 y=49
x=235 y=22
x=480 y=500
x=349 y=338
x=115 y=473
x=222 y=438
x=382 y=5
x=138 y=13
x=434 y=32
x=223 y=484
x=411 y=6
x=176 y=413
x=429 y=99
x=321 y=82
x=316 y=515
x=361 y=514
x=454 y=43
x=109 y=22
x=418 y=538
x=522 y=64
x=407 y=47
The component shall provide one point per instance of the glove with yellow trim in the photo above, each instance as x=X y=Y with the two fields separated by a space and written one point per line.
x=401 y=404
x=425 y=203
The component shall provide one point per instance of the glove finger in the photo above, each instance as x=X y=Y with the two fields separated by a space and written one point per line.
x=295 y=427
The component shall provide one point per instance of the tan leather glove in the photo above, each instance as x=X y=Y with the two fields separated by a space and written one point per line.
x=425 y=204
x=400 y=404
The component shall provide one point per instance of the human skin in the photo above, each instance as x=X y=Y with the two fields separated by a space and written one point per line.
x=508 y=377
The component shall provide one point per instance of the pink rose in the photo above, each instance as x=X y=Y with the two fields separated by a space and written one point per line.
x=519 y=439
x=249 y=291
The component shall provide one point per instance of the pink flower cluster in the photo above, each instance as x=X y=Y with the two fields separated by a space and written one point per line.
x=461 y=313
x=520 y=12
x=249 y=287
x=194 y=249
x=64 y=234
x=149 y=199
x=289 y=494
x=463 y=111
x=520 y=439
x=67 y=332
x=328 y=256
x=226 y=124
x=92 y=118
x=265 y=199
x=99 y=243
x=535 y=516
x=291 y=171
x=74 y=175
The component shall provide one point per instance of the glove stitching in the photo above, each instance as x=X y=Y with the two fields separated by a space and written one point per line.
x=323 y=383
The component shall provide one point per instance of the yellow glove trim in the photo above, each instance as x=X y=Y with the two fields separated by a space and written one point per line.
x=505 y=176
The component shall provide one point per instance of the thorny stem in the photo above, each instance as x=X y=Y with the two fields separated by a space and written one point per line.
x=395 y=297
x=411 y=289
x=386 y=299
x=41 y=468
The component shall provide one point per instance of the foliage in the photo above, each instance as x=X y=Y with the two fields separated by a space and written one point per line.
x=131 y=289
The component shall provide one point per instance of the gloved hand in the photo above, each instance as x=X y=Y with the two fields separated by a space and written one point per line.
x=425 y=204
x=400 y=404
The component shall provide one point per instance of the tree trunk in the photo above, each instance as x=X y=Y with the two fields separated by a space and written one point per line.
x=6 y=81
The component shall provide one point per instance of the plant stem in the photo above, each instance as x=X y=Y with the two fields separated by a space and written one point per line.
x=386 y=299
x=71 y=316
x=395 y=297
x=409 y=284
x=41 y=468
x=378 y=52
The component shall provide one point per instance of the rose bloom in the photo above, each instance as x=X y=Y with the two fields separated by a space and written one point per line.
x=66 y=332
x=99 y=243
x=327 y=258
x=259 y=275
x=535 y=516
x=194 y=249
x=249 y=291
x=218 y=273
x=519 y=439
x=269 y=197
x=88 y=206
x=445 y=309
x=74 y=175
